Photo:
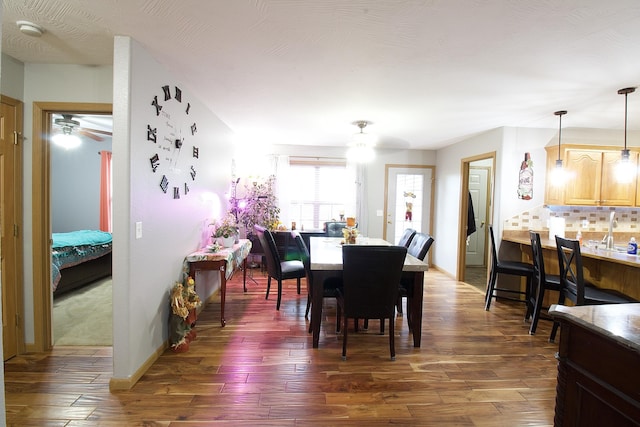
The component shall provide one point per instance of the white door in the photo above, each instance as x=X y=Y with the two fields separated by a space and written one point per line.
x=408 y=203
x=478 y=189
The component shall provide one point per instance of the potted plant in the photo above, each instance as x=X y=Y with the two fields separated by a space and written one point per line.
x=225 y=230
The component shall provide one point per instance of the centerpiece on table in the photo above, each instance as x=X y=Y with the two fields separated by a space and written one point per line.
x=350 y=234
x=225 y=231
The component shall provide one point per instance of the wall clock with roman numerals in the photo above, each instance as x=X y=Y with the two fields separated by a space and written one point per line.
x=172 y=132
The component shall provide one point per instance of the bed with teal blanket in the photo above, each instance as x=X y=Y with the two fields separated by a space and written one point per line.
x=79 y=258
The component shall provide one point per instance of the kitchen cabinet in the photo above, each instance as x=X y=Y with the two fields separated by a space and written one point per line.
x=592 y=179
x=598 y=355
x=554 y=190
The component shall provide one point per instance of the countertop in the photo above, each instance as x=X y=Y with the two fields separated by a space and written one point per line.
x=620 y=322
x=587 y=251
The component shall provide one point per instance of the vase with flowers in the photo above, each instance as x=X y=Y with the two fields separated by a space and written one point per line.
x=225 y=230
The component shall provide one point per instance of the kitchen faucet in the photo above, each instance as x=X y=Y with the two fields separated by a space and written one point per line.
x=608 y=239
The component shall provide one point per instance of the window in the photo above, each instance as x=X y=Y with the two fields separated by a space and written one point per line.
x=320 y=191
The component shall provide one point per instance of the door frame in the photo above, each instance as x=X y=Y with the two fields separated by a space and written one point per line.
x=41 y=208
x=17 y=245
x=386 y=196
x=464 y=205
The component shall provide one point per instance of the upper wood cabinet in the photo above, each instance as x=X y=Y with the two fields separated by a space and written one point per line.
x=592 y=179
x=554 y=191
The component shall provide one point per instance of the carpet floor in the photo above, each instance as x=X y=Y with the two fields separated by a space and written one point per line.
x=84 y=316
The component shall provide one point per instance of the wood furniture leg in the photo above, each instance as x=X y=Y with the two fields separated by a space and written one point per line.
x=196 y=266
x=316 y=307
x=416 y=307
x=244 y=273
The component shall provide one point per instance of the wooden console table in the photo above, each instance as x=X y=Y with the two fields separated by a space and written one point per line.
x=226 y=260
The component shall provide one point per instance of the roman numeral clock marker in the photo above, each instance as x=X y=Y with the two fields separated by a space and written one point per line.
x=175 y=157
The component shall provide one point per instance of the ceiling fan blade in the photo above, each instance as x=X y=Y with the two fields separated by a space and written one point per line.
x=98 y=131
x=90 y=135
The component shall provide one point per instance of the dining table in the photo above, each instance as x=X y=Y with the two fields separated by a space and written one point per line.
x=326 y=262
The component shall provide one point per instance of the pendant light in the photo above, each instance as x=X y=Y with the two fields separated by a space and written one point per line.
x=559 y=175
x=361 y=147
x=626 y=170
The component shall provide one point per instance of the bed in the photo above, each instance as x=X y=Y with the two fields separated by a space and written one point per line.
x=79 y=258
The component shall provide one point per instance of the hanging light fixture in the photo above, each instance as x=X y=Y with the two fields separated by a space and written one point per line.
x=361 y=146
x=66 y=139
x=626 y=170
x=559 y=175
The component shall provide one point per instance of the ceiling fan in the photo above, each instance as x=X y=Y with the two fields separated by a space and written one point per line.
x=68 y=124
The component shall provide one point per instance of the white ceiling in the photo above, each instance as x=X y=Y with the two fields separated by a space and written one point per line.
x=426 y=72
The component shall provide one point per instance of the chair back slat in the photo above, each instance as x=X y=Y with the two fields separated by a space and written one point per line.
x=494 y=251
x=571 y=273
x=539 y=273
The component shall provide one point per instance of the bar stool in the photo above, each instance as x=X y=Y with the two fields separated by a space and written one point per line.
x=514 y=268
x=541 y=282
x=573 y=285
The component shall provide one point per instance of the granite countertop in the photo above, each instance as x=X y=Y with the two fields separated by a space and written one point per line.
x=620 y=322
x=587 y=251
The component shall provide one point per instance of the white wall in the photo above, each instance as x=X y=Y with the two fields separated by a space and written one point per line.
x=12 y=82
x=75 y=185
x=145 y=269
x=510 y=144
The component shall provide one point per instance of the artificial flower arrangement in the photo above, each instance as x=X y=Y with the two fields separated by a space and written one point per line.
x=350 y=234
x=184 y=302
x=261 y=206
x=225 y=227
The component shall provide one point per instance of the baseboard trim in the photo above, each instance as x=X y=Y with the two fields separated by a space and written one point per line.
x=123 y=384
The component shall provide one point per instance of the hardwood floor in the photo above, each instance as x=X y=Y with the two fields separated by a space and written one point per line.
x=475 y=368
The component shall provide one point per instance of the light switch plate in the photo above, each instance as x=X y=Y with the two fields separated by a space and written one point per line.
x=138 y=230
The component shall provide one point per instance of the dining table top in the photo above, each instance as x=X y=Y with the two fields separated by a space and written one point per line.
x=326 y=253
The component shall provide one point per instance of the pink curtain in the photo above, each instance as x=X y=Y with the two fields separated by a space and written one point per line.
x=105 y=191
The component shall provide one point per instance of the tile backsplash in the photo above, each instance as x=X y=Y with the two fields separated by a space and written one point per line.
x=585 y=218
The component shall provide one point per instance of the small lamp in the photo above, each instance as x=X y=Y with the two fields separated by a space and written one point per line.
x=626 y=170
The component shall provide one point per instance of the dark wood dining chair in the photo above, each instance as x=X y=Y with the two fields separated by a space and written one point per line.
x=513 y=268
x=370 y=276
x=277 y=269
x=407 y=236
x=541 y=282
x=573 y=284
x=329 y=285
x=419 y=248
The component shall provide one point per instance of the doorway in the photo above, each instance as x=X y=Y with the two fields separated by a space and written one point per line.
x=43 y=113
x=476 y=210
x=11 y=243
x=408 y=200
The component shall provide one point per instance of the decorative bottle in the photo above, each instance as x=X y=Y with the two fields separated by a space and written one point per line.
x=525 y=179
x=632 y=247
